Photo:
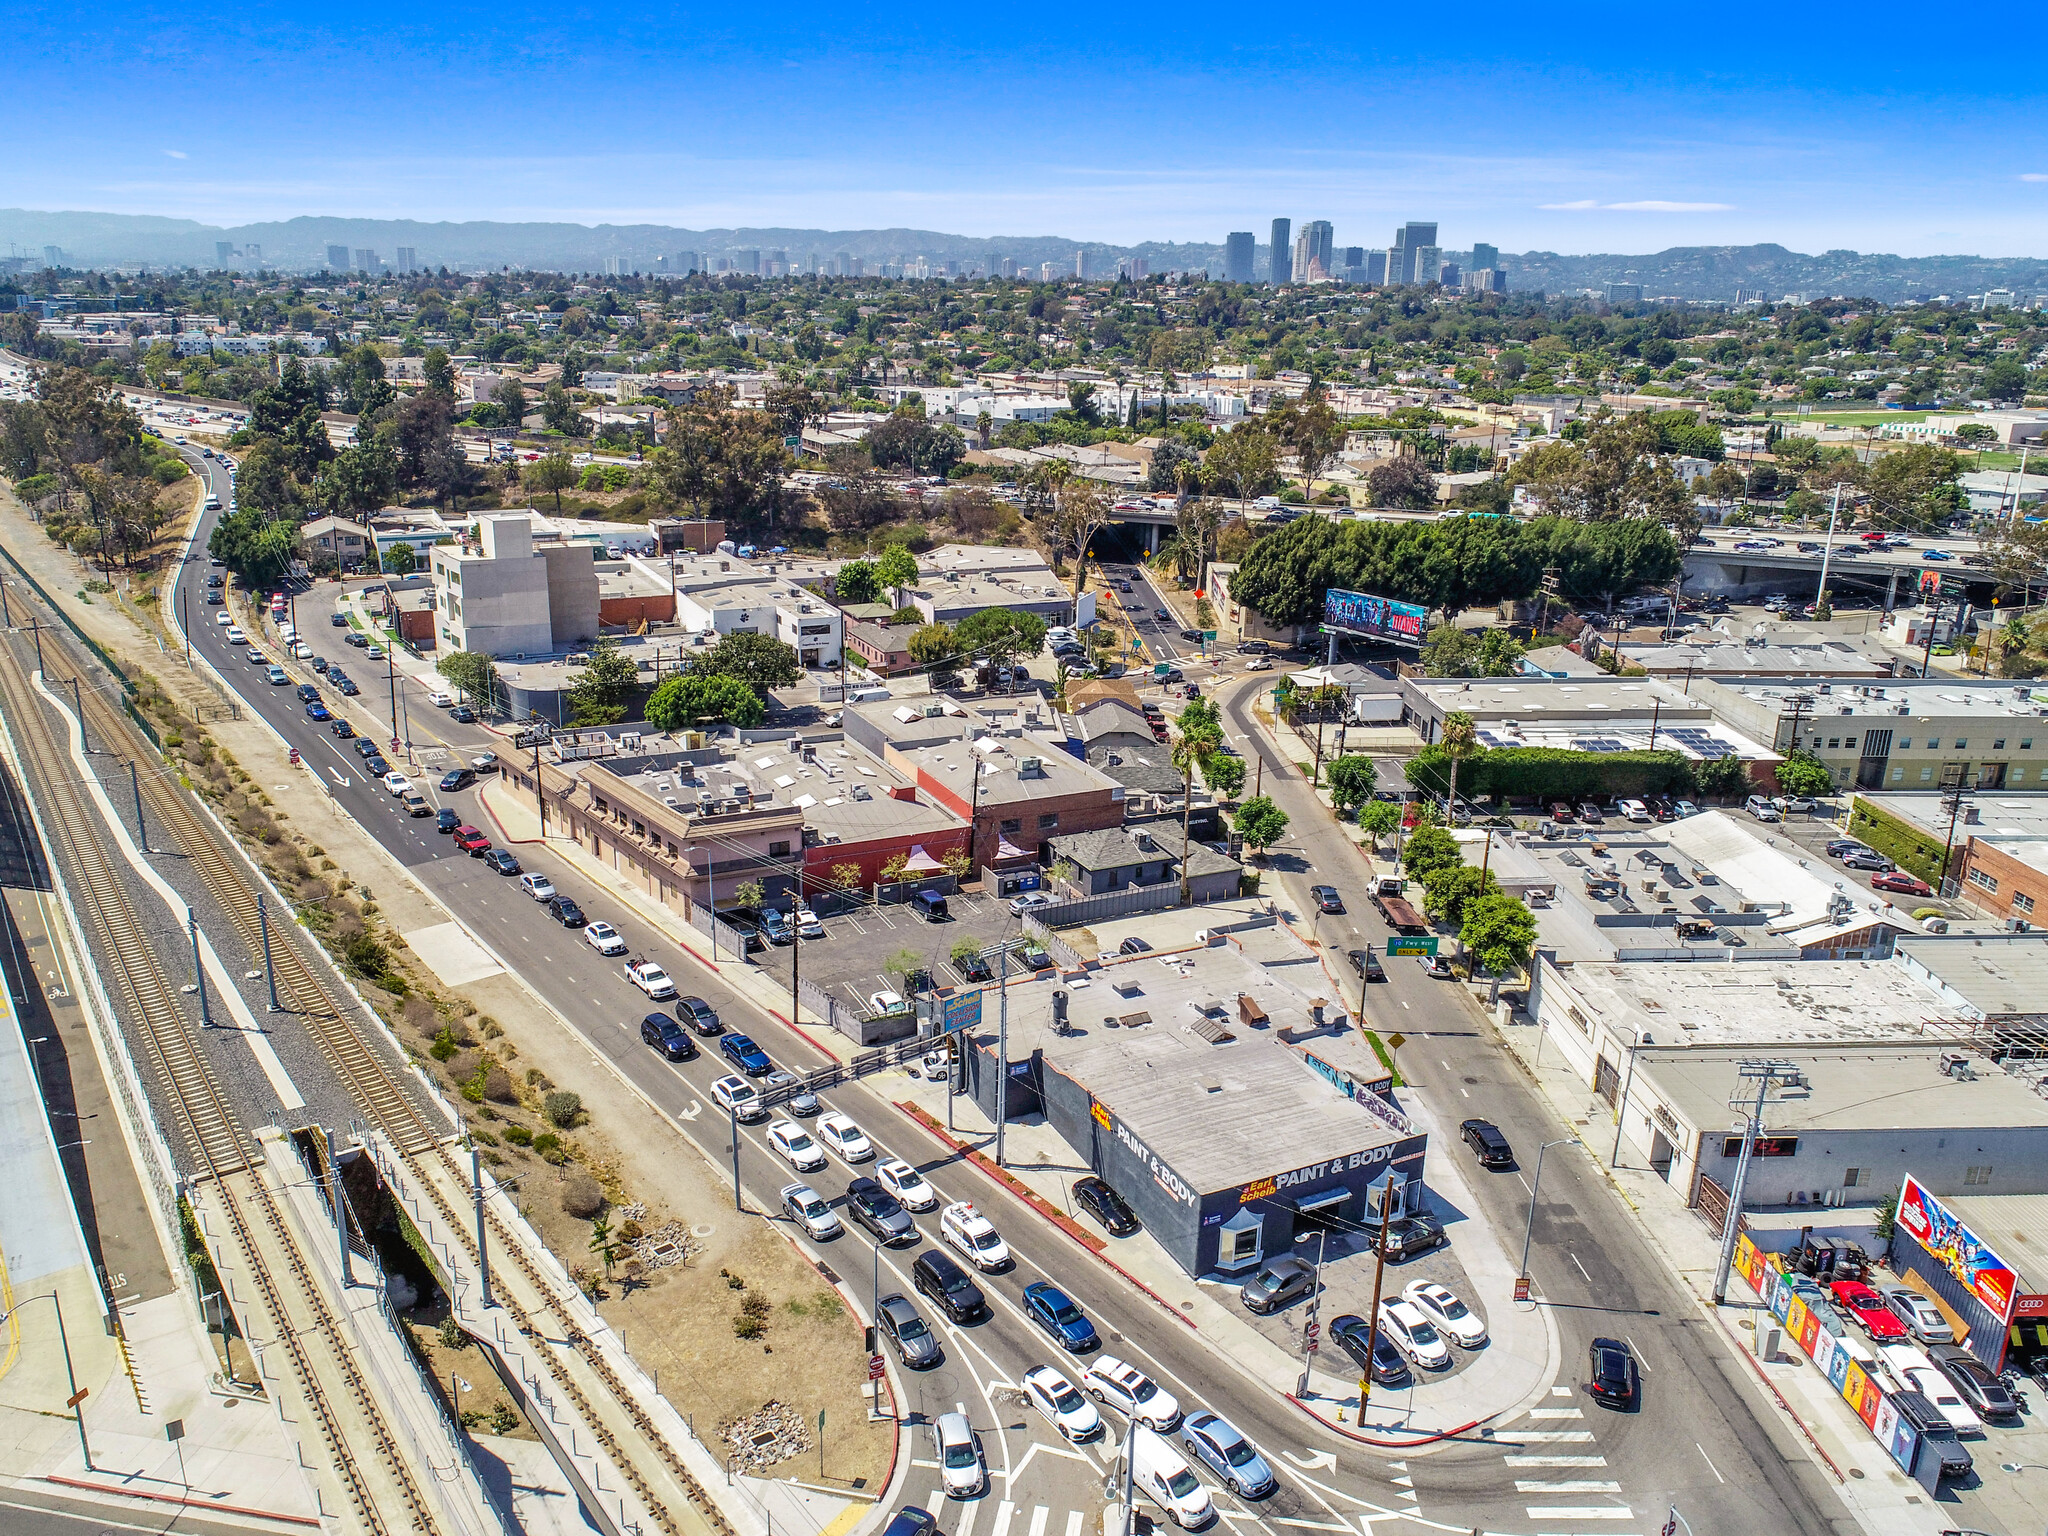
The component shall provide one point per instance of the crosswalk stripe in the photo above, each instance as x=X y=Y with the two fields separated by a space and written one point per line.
x=1570 y=1485
x=968 y=1510
x=1039 y=1515
x=934 y=1502
x=1581 y=1512
x=1557 y=1413
x=1073 y=1522
x=1550 y=1436
x=1555 y=1461
x=1004 y=1511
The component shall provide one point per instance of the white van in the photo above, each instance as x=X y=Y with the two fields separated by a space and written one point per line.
x=1761 y=809
x=1163 y=1473
x=867 y=695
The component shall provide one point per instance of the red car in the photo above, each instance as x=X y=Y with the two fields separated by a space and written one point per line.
x=469 y=840
x=1868 y=1308
x=1898 y=880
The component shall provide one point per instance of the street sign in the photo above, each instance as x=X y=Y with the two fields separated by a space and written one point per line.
x=1521 y=1287
x=1411 y=944
x=76 y=1398
x=877 y=1368
x=1395 y=1042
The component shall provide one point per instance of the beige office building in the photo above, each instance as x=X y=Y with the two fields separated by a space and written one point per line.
x=503 y=597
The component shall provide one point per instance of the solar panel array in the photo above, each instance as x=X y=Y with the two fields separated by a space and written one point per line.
x=1598 y=744
x=1701 y=743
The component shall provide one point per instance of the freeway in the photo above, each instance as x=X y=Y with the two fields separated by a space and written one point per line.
x=1327 y=1482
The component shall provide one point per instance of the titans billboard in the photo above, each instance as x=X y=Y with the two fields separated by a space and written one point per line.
x=1382 y=618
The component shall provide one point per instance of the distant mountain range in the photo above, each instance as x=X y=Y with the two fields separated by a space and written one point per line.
x=1692 y=272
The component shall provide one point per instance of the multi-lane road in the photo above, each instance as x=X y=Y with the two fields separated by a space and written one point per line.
x=1698 y=1438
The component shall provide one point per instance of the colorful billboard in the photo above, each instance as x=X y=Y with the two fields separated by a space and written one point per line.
x=1957 y=1249
x=1382 y=618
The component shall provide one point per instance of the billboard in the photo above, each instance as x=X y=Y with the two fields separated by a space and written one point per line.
x=1957 y=1249
x=1361 y=613
x=962 y=1010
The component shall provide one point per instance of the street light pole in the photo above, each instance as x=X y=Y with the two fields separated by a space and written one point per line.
x=1529 y=1230
x=1315 y=1300
x=76 y=1402
x=1621 y=1104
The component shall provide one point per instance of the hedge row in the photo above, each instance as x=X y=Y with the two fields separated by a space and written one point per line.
x=1558 y=773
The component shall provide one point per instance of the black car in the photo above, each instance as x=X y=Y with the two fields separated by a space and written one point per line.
x=502 y=860
x=910 y=1521
x=565 y=911
x=338 y=620
x=699 y=1015
x=375 y=766
x=1369 y=1351
x=1979 y=1387
x=974 y=968
x=1326 y=898
x=1280 y=1280
x=1410 y=1235
x=307 y=693
x=344 y=685
x=1612 y=1373
x=448 y=820
x=343 y=731
x=877 y=1210
x=355 y=638
x=1367 y=964
x=365 y=747
x=936 y=1275
x=1484 y=1138
x=462 y=714
x=457 y=778
x=667 y=1037
x=1106 y=1206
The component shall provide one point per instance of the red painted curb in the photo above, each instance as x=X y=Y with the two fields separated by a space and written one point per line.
x=1385 y=1445
x=1030 y=1198
x=799 y=1029
x=171 y=1498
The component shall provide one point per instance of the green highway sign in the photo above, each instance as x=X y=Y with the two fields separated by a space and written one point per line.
x=1411 y=945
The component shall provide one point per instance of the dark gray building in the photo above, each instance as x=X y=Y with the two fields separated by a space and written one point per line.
x=1238 y=246
x=1281 y=255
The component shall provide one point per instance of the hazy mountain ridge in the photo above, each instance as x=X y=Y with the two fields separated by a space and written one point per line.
x=1693 y=272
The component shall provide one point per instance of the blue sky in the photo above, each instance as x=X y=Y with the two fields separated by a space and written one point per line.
x=1563 y=130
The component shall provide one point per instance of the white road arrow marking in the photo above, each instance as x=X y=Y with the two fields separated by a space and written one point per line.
x=696 y=1108
x=1310 y=1462
x=340 y=778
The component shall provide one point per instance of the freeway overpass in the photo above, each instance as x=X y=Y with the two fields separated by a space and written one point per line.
x=1714 y=567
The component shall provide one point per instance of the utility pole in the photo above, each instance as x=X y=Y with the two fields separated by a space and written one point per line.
x=1379 y=1275
x=78 y=706
x=269 y=968
x=540 y=805
x=135 y=786
x=1766 y=1073
x=1951 y=801
x=198 y=971
x=1309 y=1327
x=733 y=1114
x=483 y=1253
x=1828 y=549
x=1656 y=710
x=340 y=1211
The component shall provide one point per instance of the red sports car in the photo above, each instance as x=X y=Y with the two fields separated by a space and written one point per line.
x=1868 y=1308
x=1898 y=880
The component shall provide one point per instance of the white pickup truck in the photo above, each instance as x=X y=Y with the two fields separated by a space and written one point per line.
x=650 y=978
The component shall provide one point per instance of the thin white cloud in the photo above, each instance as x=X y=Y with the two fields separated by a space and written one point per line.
x=2032 y=176
x=1647 y=205
x=177 y=154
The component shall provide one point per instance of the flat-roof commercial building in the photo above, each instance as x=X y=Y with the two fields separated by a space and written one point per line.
x=1608 y=714
x=949 y=599
x=1999 y=857
x=1176 y=1082
x=504 y=597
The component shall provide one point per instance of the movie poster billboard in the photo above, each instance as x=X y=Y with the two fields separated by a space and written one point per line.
x=1379 y=618
x=1957 y=1249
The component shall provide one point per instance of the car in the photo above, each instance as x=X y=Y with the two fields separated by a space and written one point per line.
x=1410 y=1235
x=456 y=778
x=1590 y=813
x=1367 y=964
x=1162 y=614
x=485 y=762
x=699 y=1015
x=342 y=730
x=880 y=1212
x=1841 y=846
x=846 y=1139
x=338 y=620
x=1131 y=1392
x=470 y=840
x=1611 y=1373
x=1062 y=1403
x=1804 y=805
x=307 y=693
x=1056 y=1315
x=808 y=1210
x=961 y=1470
x=739 y=1097
x=1106 y=1206
x=1326 y=898
x=564 y=910
x=1922 y=1318
x=1948 y=1402
x=974 y=968
x=462 y=714
x=1868 y=1309
x=447 y=819
x=603 y=937
x=1561 y=812
x=1897 y=880
x=396 y=783
x=667 y=1037
x=1485 y=1139
x=1633 y=810
x=1867 y=860
x=1413 y=1335
x=345 y=686
x=1681 y=809
x=1446 y=1313
x=917 y=1347
x=776 y=926
x=1370 y=1349
x=374 y=652
x=415 y=803
x=539 y=887
x=224 y=619
x=503 y=861
x=440 y=698
x=1280 y=1281
x=214 y=600
x=1217 y=1443
x=1259 y=664
x=236 y=634
x=357 y=639
x=883 y=1003
x=801 y=1104
x=1981 y=1389
x=907 y=1185
x=1030 y=901
x=1436 y=967
x=808 y=924
x=1936 y=554
x=744 y=1054
x=792 y=1143
x=318 y=711
x=973 y=1236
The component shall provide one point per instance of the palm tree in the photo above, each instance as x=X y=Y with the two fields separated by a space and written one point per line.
x=1459 y=741
x=1191 y=750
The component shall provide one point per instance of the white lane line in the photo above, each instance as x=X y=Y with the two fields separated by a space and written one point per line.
x=1569 y=1485
x=1557 y=1413
x=1560 y=1391
x=1636 y=1350
x=1073 y=1522
x=934 y=1502
x=1581 y=1512
x=1581 y=1268
x=1555 y=1461
x=1548 y=1436
x=1311 y=1525
x=1709 y=1461
x=919 y=1461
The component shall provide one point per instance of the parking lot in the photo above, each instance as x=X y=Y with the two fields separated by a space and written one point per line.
x=859 y=954
x=1810 y=836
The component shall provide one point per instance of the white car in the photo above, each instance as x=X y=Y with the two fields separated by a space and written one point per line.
x=224 y=618
x=651 y=979
x=807 y=924
x=1633 y=810
x=1029 y=901
x=885 y=1002
x=1055 y=1397
x=236 y=636
x=1412 y=1334
x=741 y=1097
x=1448 y=1315
x=605 y=939
x=303 y=651
x=1131 y=1392
x=538 y=886
x=440 y=698
x=396 y=783
x=974 y=1235
x=960 y=1463
x=1259 y=664
x=287 y=632
x=1941 y=1392
x=907 y=1185
x=793 y=1144
x=839 y=1133
x=809 y=1210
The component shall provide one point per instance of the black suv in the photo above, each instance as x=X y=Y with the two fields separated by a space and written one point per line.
x=667 y=1037
x=1612 y=1373
x=946 y=1283
x=1484 y=1138
x=565 y=911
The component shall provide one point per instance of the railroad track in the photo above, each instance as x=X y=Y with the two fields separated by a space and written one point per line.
x=334 y=1027
x=217 y=1145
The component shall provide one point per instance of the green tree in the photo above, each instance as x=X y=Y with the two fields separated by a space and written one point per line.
x=1499 y=933
x=932 y=644
x=1460 y=740
x=1380 y=819
x=400 y=560
x=258 y=550
x=857 y=582
x=1244 y=462
x=1261 y=822
x=760 y=661
x=2004 y=379
x=1403 y=481
x=551 y=472
x=559 y=412
x=1804 y=774
x=439 y=372
x=1453 y=652
x=360 y=479
x=1316 y=434
x=1224 y=774
x=1002 y=634
x=897 y=568
x=474 y=673
x=689 y=700
x=510 y=396
x=1427 y=850
x=600 y=693
x=1352 y=779
x=1717 y=778
x=1447 y=888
